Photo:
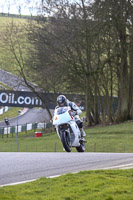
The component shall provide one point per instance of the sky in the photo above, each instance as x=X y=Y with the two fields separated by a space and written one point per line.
x=25 y=9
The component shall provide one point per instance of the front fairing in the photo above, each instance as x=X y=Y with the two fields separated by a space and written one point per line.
x=62 y=116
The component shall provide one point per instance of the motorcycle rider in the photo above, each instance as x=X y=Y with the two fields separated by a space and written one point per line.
x=6 y=121
x=63 y=101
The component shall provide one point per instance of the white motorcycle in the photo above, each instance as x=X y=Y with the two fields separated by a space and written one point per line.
x=67 y=129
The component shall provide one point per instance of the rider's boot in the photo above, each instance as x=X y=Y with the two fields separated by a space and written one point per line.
x=83 y=134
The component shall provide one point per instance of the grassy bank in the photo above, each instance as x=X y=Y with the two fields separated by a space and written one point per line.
x=12 y=112
x=86 y=185
x=115 y=138
x=7 y=61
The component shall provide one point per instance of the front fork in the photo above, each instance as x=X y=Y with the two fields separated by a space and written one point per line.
x=74 y=138
x=66 y=130
x=57 y=130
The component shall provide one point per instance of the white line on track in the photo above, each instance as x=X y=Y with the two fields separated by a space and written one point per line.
x=126 y=166
x=18 y=183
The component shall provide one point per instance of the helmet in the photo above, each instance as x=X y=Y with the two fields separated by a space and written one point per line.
x=61 y=100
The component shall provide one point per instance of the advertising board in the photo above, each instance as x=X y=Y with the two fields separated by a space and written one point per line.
x=19 y=99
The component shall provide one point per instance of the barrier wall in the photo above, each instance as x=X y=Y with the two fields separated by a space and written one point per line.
x=4 y=109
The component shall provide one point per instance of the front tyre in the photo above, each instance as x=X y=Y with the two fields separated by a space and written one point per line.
x=65 y=138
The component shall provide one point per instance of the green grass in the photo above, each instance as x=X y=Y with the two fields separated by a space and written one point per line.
x=86 y=185
x=7 y=61
x=2 y=85
x=115 y=138
x=12 y=112
x=29 y=143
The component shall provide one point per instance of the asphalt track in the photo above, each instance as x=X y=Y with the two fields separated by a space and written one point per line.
x=31 y=116
x=19 y=167
x=13 y=81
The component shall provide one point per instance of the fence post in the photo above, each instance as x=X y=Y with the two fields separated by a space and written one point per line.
x=95 y=147
x=12 y=134
x=18 y=147
x=26 y=128
x=2 y=132
x=7 y=131
x=55 y=147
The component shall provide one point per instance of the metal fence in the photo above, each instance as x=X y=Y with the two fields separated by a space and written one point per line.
x=23 y=128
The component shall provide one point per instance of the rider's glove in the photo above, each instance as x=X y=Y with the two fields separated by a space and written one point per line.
x=78 y=112
x=73 y=113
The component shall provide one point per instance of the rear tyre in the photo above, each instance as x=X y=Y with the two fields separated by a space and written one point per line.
x=66 y=141
x=81 y=148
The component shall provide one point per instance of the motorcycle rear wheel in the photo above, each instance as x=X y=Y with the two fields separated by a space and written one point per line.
x=65 y=138
x=81 y=148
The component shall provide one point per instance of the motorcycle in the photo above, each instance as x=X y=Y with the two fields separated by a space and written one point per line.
x=67 y=129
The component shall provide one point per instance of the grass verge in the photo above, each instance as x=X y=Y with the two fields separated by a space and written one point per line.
x=115 y=138
x=86 y=185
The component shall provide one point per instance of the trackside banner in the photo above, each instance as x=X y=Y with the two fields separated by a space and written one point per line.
x=19 y=99
x=29 y=99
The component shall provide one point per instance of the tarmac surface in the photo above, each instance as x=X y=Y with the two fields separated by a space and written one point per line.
x=18 y=167
x=31 y=116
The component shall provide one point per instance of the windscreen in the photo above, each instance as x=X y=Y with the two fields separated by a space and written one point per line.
x=61 y=110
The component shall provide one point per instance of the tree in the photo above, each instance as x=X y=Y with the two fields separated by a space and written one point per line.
x=2 y=7
x=31 y=5
x=118 y=15
x=84 y=48
x=19 y=6
x=14 y=38
x=66 y=42
x=8 y=4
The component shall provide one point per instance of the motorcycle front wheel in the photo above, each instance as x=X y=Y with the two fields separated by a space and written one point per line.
x=65 y=138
